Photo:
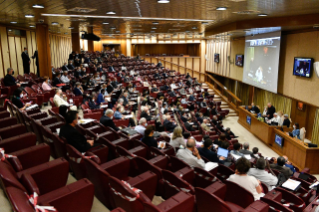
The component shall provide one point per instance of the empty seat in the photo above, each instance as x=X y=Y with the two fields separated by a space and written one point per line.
x=12 y=130
x=18 y=142
x=8 y=121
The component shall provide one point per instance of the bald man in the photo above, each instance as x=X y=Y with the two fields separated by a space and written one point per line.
x=190 y=155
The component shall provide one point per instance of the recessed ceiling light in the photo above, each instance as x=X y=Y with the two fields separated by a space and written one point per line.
x=105 y=23
x=117 y=31
x=187 y=31
x=155 y=23
x=204 y=22
x=13 y=22
x=154 y=28
x=10 y=30
x=194 y=27
x=38 y=6
x=221 y=8
x=152 y=31
x=71 y=27
x=262 y=15
x=32 y=26
x=55 y=23
x=112 y=27
x=65 y=33
x=162 y=1
x=111 y=13
x=29 y=16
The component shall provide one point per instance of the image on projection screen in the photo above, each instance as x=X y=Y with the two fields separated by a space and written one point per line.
x=261 y=61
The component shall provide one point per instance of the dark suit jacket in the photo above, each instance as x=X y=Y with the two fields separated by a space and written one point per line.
x=77 y=63
x=145 y=115
x=245 y=152
x=172 y=94
x=271 y=111
x=169 y=125
x=285 y=170
x=56 y=81
x=99 y=69
x=17 y=102
x=191 y=98
x=188 y=126
x=77 y=74
x=125 y=101
x=65 y=68
x=9 y=80
x=110 y=69
x=106 y=121
x=77 y=92
x=109 y=89
x=255 y=109
x=200 y=120
x=36 y=57
x=150 y=141
x=74 y=138
x=184 y=119
x=210 y=155
x=93 y=105
x=70 y=66
x=25 y=58
x=286 y=123
x=87 y=60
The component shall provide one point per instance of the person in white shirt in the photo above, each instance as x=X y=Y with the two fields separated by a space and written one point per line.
x=275 y=120
x=259 y=74
x=58 y=99
x=241 y=178
x=141 y=127
x=190 y=155
x=269 y=179
x=65 y=78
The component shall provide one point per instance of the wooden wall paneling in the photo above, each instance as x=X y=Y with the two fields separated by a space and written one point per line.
x=310 y=121
x=196 y=64
x=54 y=51
x=13 y=55
x=2 y=69
x=5 y=49
x=19 y=52
x=33 y=67
x=189 y=62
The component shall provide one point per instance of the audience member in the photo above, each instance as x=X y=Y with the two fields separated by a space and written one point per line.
x=177 y=139
x=168 y=124
x=208 y=154
x=58 y=98
x=148 y=138
x=255 y=153
x=188 y=125
x=16 y=99
x=246 y=151
x=57 y=80
x=107 y=120
x=288 y=164
x=279 y=165
x=204 y=125
x=78 y=90
x=145 y=113
x=241 y=178
x=118 y=115
x=190 y=155
x=92 y=103
x=63 y=111
x=46 y=85
x=65 y=78
x=254 y=108
x=72 y=135
x=222 y=142
x=9 y=80
x=141 y=127
x=236 y=149
x=286 y=121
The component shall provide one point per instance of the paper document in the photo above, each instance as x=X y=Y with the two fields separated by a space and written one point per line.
x=162 y=144
x=103 y=106
x=291 y=184
x=108 y=99
x=58 y=130
x=210 y=166
x=32 y=107
x=128 y=116
x=248 y=157
x=236 y=156
x=85 y=121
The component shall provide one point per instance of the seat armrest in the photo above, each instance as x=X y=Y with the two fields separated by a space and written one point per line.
x=29 y=183
x=17 y=143
x=101 y=151
x=49 y=176
x=257 y=206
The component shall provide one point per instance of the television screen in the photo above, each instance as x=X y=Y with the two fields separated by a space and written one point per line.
x=279 y=140
x=216 y=58
x=248 y=120
x=239 y=60
x=303 y=67
x=261 y=62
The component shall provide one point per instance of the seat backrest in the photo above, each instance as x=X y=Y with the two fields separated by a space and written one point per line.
x=233 y=189
x=144 y=165
x=12 y=131
x=127 y=194
x=275 y=206
x=19 y=200
x=173 y=184
x=205 y=201
x=177 y=164
x=9 y=177
x=302 y=133
x=76 y=162
x=29 y=90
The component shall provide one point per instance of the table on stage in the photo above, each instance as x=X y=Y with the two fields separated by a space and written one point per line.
x=296 y=150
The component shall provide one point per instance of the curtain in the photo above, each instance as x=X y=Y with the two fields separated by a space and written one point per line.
x=315 y=130
x=243 y=92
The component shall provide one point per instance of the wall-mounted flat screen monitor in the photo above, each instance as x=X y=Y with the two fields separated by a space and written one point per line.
x=279 y=140
x=303 y=67
x=248 y=120
x=216 y=58
x=239 y=60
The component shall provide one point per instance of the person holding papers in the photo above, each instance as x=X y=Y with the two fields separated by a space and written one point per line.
x=190 y=155
x=235 y=151
x=17 y=94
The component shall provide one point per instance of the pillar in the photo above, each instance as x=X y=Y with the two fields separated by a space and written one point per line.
x=76 y=42
x=90 y=42
x=44 y=52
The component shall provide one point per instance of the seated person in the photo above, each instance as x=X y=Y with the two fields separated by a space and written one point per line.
x=184 y=101
x=222 y=142
x=171 y=93
x=118 y=115
x=254 y=108
x=205 y=126
x=78 y=90
x=141 y=127
x=255 y=153
x=200 y=117
x=72 y=135
x=286 y=121
x=188 y=125
x=168 y=124
x=16 y=99
x=177 y=139
x=279 y=165
x=57 y=80
x=107 y=120
x=46 y=85
x=63 y=110
x=208 y=154
x=90 y=82
x=269 y=179
x=70 y=65
x=190 y=155
x=229 y=134
x=78 y=73
x=236 y=149
x=184 y=116
x=114 y=83
x=154 y=89
x=92 y=103
x=246 y=151
x=65 y=78
x=146 y=113
x=148 y=138
x=241 y=178
x=9 y=80
x=65 y=67
x=275 y=120
x=58 y=98
x=288 y=164
x=295 y=132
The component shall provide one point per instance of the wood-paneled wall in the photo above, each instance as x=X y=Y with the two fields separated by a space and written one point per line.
x=223 y=49
x=168 y=49
x=61 y=48
x=98 y=45
x=11 y=49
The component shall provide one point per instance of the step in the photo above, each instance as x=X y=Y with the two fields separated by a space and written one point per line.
x=224 y=103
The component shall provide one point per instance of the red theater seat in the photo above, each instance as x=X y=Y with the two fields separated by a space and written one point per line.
x=12 y=130
x=243 y=200
x=18 y=142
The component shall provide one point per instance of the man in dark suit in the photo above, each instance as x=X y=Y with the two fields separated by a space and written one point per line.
x=111 y=69
x=169 y=126
x=9 y=80
x=87 y=59
x=200 y=117
x=208 y=154
x=156 y=75
x=77 y=62
x=65 y=67
x=254 y=108
x=78 y=90
x=74 y=137
x=188 y=125
x=125 y=100
x=36 y=57
x=26 y=61
x=279 y=166
x=270 y=111
x=286 y=121
x=109 y=87
x=107 y=120
x=171 y=94
x=145 y=114
x=99 y=68
x=183 y=117
x=70 y=65
x=57 y=80
x=245 y=151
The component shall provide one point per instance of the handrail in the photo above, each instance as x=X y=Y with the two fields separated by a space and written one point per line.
x=229 y=95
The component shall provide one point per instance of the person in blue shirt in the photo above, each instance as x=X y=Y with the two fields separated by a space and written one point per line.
x=296 y=131
x=288 y=164
x=100 y=98
x=78 y=90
